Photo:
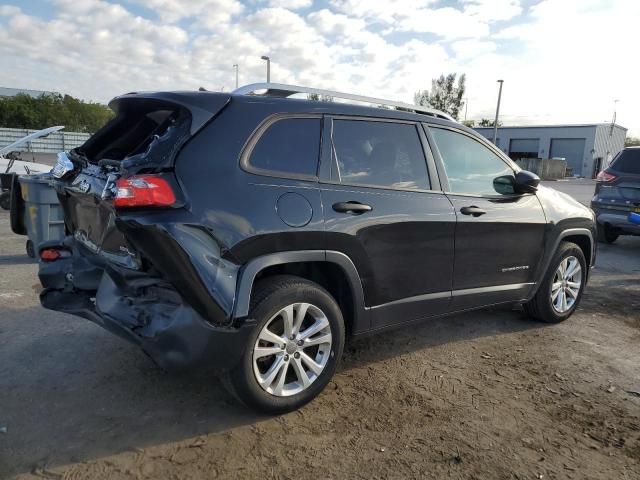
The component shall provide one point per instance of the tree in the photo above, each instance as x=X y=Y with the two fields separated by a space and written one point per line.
x=485 y=122
x=24 y=111
x=632 y=142
x=445 y=95
x=469 y=123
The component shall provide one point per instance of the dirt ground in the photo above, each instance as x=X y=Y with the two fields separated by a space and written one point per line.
x=487 y=394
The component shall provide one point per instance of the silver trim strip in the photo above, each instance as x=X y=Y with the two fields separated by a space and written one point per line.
x=417 y=298
x=455 y=293
x=283 y=91
x=495 y=288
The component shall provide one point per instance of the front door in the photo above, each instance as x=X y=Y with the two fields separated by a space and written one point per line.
x=499 y=235
x=382 y=211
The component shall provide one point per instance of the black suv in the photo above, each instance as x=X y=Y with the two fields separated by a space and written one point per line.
x=617 y=196
x=254 y=233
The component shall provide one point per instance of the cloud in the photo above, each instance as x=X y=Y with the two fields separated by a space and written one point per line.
x=290 y=4
x=206 y=12
x=492 y=10
x=554 y=69
x=466 y=49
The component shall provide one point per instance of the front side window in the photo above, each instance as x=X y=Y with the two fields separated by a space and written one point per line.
x=471 y=167
x=382 y=154
x=289 y=146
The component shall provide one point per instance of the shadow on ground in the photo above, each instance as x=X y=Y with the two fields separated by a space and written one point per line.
x=16 y=260
x=74 y=392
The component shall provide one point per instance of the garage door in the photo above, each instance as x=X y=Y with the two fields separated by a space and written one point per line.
x=571 y=149
x=524 y=148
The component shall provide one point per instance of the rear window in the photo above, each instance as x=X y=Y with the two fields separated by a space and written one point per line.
x=628 y=161
x=139 y=127
x=290 y=146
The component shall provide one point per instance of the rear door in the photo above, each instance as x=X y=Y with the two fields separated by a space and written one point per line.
x=499 y=235
x=384 y=208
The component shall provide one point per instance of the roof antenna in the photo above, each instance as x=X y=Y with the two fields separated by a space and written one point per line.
x=202 y=89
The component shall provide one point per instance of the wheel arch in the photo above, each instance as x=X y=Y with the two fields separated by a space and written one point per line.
x=583 y=237
x=332 y=270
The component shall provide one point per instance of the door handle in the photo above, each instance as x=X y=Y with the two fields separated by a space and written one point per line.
x=473 y=211
x=355 y=208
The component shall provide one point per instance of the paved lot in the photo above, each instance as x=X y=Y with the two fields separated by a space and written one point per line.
x=581 y=189
x=487 y=394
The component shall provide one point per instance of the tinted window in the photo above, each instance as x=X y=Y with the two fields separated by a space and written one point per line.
x=471 y=167
x=379 y=153
x=289 y=146
x=628 y=162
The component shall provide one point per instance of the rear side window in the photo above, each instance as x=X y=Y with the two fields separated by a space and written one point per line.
x=628 y=162
x=288 y=146
x=382 y=154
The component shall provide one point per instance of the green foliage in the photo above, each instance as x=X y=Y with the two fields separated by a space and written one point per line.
x=632 y=142
x=469 y=123
x=445 y=95
x=485 y=122
x=24 y=111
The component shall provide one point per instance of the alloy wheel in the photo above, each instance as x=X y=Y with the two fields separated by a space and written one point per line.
x=292 y=349
x=566 y=284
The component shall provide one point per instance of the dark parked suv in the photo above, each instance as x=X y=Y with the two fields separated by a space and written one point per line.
x=617 y=196
x=254 y=233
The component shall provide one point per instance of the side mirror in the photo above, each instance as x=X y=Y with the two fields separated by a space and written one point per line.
x=504 y=185
x=526 y=182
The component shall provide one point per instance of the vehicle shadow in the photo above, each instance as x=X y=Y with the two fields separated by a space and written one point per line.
x=71 y=392
x=434 y=332
x=16 y=260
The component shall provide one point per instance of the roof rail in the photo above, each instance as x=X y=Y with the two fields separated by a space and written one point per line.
x=283 y=91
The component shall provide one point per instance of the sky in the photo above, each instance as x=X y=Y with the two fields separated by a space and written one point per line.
x=562 y=61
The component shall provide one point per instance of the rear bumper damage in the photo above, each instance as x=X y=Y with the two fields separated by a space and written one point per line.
x=139 y=308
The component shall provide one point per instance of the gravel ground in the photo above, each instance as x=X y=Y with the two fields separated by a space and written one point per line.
x=488 y=394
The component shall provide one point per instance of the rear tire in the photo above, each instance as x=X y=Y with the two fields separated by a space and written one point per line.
x=273 y=379
x=565 y=278
x=31 y=251
x=5 y=200
x=606 y=234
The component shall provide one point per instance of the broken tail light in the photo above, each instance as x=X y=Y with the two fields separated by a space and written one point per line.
x=53 y=254
x=143 y=191
x=605 y=176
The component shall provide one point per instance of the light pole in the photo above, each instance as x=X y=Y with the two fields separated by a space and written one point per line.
x=495 y=123
x=466 y=105
x=264 y=57
x=235 y=65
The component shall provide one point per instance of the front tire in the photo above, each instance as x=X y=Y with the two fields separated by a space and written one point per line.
x=561 y=289
x=295 y=348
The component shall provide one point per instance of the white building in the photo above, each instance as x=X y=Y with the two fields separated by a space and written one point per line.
x=586 y=148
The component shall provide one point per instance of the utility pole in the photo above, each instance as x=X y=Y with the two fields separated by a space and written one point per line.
x=495 y=123
x=235 y=65
x=613 y=120
x=264 y=57
x=466 y=105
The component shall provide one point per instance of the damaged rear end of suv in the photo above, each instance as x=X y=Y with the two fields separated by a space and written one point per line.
x=132 y=261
